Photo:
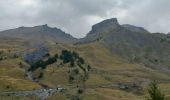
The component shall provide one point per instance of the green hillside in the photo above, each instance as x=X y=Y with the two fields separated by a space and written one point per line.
x=113 y=62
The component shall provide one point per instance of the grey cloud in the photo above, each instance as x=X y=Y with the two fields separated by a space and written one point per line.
x=77 y=16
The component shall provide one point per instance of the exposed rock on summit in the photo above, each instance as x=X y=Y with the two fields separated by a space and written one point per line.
x=39 y=33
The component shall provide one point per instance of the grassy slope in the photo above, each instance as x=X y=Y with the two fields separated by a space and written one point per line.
x=13 y=76
x=107 y=69
x=111 y=69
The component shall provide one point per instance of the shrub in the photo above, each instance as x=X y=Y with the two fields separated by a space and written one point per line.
x=15 y=56
x=66 y=56
x=56 y=56
x=154 y=92
x=76 y=71
x=81 y=60
x=71 y=78
x=80 y=91
x=47 y=55
x=1 y=58
x=72 y=64
x=51 y=60
x=7 y=87
x=41 y=75
x=88 y=67
x=42 y=64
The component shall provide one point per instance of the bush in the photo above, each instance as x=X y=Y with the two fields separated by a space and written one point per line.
x=7 y=87
x=41 y=75
x=80 y=91
x=21 y=64
x=1 y=58
x=88 y=67
x=56 y=56
x=66 y=56
x=47 y=55
x=154 y=92
x=71 y=78
x=81 y=60
x=51 y=60
x=42 y=64
x=76 y=71
x=72 y=64
x=15 y=56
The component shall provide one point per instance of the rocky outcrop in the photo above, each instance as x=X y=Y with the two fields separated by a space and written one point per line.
x=135 y=28
x=133 y=43
x=100 y=29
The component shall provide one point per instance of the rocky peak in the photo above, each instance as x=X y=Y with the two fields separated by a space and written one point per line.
x=43 y=27
x=105 y=25
x=47 y=29
x=99 y=30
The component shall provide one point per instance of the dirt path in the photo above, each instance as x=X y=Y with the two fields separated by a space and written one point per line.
x=42 y=94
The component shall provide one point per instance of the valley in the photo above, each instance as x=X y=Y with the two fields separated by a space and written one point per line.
x=113 y=62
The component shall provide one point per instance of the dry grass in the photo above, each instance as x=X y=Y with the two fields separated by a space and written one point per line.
x=109 y=68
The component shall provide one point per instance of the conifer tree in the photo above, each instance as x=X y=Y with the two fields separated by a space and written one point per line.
x=154 y=92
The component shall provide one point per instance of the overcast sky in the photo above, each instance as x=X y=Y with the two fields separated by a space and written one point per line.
x=77 y=16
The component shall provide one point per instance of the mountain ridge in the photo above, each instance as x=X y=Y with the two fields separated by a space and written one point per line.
x=133 y=43
x=96 y=32
x=123 y=60
x=126 y=40
x=39 y=33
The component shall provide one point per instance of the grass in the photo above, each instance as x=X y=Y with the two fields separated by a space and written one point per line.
x=111 y=68
x=109 y=94
x=10 y=97
x=108 y=68
x=58 y=96
x=54 y=76
x=13 y=76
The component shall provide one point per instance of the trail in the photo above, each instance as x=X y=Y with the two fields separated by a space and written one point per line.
x=42 y=94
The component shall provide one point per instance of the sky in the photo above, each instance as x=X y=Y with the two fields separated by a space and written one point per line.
x=77 y=16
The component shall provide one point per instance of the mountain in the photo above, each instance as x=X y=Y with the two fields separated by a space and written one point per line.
x=135 y=28
x=128 y=41
x=113 y=62
x=100 y=28
x=133 y=43
x=39 y=33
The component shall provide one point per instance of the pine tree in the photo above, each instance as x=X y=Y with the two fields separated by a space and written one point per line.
x=154 y=92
